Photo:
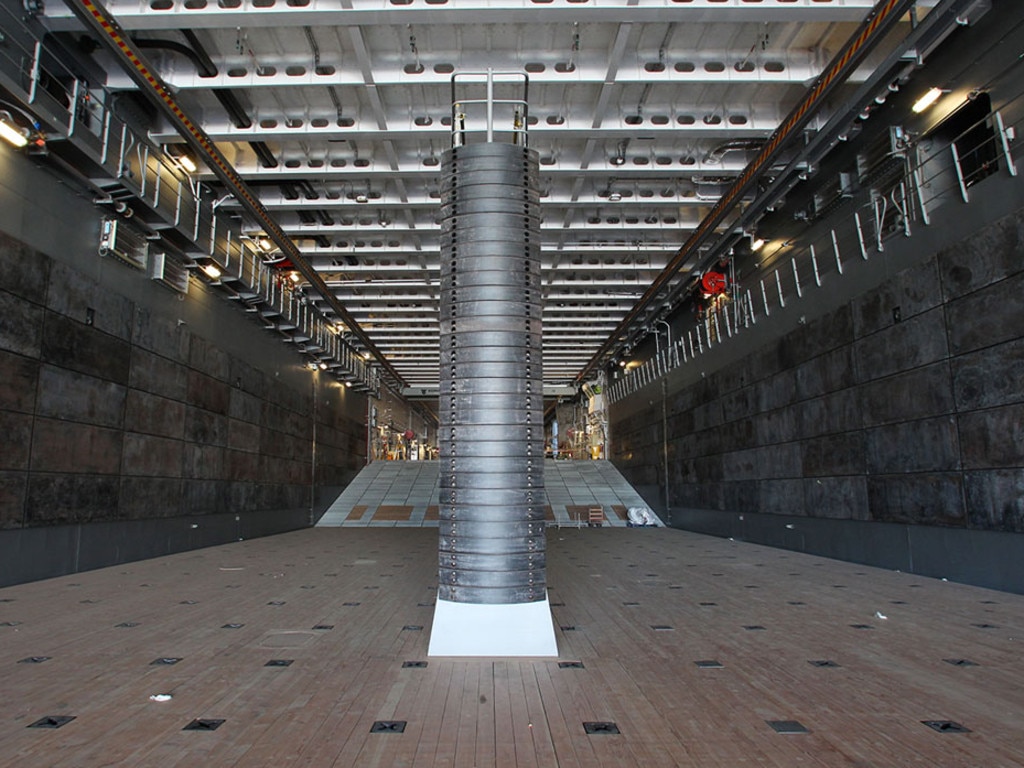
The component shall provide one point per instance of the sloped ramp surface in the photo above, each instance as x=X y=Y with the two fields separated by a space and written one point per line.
x=405 y=493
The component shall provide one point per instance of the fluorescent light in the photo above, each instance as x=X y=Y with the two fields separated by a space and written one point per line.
x=188 y=163
x=12 y=134
x=265 y=243
x=927 y=100
x=757 y=244
x=211 y=271
x=295 y=277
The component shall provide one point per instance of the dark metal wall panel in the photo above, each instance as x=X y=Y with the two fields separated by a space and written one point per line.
x=128 y=407
x=886 y=437
x=982 y=558
x=29 y=554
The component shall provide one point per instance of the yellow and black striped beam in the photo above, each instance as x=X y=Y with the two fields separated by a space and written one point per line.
x=96 y=17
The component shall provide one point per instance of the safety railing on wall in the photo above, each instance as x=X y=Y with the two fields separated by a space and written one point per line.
x=148 y=191
x=902 y=184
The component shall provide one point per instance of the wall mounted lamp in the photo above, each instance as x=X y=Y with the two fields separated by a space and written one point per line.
x=10 y=132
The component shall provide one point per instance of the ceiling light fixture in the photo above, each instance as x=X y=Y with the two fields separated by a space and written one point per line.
x=187 y=163
x=756 y=243
x=211 y=271
x=927 y=100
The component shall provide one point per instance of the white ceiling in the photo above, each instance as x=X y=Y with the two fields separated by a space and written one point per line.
x=351 y=97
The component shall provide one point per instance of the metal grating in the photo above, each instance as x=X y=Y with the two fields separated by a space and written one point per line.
x=709 y=664
x=388 y=726
x=787 y=726
x=600 y=727
x=946 y=726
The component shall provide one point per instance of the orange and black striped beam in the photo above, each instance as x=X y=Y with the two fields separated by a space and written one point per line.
x=874 y=28
x=96 y=17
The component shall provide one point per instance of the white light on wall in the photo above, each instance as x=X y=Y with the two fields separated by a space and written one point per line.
x=757 y=244
x=12 y=133
x=927 y=100
x=211 y=271
x=188 y=163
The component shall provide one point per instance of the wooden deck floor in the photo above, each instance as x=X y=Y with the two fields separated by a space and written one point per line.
x=637 y=607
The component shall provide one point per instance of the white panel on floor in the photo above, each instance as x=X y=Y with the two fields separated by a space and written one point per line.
x=468 y=629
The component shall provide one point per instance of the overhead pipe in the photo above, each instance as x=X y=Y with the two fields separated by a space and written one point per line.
x=97 y=18
x=205 y=67
x=872 y=31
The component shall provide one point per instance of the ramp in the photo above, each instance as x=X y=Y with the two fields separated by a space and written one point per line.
x=405 y=494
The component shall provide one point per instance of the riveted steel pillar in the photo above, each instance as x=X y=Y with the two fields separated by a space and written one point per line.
x=491 y=542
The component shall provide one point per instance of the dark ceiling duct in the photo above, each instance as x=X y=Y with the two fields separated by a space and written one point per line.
x=736 y=145
x=205 y=67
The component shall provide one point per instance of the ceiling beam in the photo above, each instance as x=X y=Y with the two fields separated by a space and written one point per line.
x=95 y=16
x=871 y=32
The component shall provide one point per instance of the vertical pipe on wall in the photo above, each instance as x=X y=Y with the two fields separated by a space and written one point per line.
x=664 y=449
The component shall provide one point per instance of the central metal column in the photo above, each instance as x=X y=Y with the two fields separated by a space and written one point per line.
x=492 y=594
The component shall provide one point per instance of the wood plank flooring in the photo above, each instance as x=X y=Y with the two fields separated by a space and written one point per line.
x=796 y=638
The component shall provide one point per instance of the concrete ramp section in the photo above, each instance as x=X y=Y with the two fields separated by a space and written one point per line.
x=405 y=493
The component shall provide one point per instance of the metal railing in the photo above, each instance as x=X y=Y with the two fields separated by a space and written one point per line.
x=125 y=170
x=906 y=188
x=475 y=117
